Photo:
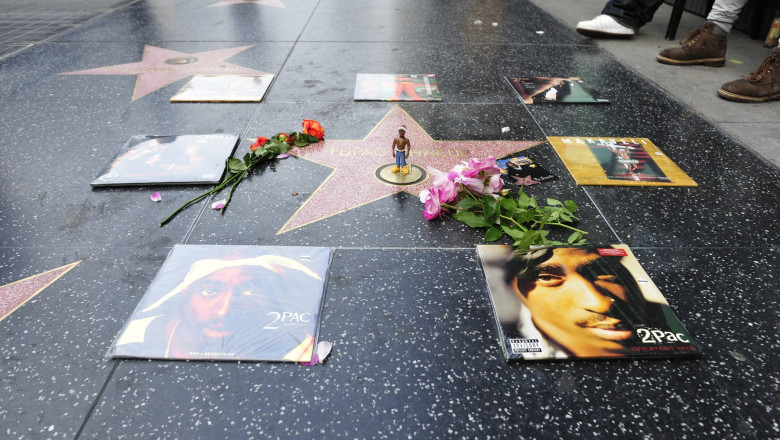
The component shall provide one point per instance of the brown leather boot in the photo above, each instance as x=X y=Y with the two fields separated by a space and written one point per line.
x=762 y=85
x=701 y=46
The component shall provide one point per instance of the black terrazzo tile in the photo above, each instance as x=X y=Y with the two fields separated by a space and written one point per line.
x=66 y=128
x=52 y=348
x=736 y=187
x=416 y=354
x=466 y=72
x=517 y=22
x=146 y=22
x=724 y=297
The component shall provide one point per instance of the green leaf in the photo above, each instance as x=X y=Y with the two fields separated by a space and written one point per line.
x=468 y=203
x=531 y=237
x=300 y=143
x=513 y=232
x=554 y=202
x=571 y=206
x=235 y=165
x=574 y=237
x=493 y=234
x=247 y=158
x=284 y=148
x=471 y=219
x=523 y=200
x=509 y=204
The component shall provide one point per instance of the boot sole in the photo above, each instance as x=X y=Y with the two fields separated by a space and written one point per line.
x=709 y=62
x=744 y=98
x=601 y=34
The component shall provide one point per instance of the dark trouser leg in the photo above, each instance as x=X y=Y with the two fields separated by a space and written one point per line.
x=632 y=13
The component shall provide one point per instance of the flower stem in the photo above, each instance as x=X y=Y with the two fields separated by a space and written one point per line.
x=190 y=202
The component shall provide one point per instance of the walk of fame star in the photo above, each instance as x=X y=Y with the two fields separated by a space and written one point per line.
x=353 y=181
x=272 y=3
x=14 y=295
x=160 y=67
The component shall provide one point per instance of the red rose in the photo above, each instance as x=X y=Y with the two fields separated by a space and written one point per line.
x=260 y=142
x=313 y=128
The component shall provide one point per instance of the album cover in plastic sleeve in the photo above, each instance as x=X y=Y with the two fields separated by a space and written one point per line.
x=169 y=160
x=555 y=90
x=522 y=171
x=618 y=161
x=396 y=87
x=579 y=303
x=208 y=302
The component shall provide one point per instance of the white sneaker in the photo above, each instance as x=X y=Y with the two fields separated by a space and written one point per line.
x=604 y=26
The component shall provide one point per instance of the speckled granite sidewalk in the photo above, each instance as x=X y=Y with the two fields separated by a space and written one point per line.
x=416 y=352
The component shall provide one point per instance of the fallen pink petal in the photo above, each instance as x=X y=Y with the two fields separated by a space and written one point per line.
x=283 y=156
x=155 y=197
x=219 y=204
x=320 y=353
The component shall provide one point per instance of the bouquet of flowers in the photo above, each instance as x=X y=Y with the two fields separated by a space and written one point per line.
x=262 y=150
x=473 y=191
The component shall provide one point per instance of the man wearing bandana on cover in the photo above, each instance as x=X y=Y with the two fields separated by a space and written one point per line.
x=229 y=309
x=584 y=303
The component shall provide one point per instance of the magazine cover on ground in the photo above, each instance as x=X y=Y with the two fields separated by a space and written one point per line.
x=256 y=303
x=618 y=161
x=522 y=171
x=579 y=302
x=545 y=89
x=169 y=160
x=392 y=87
x=224 y=88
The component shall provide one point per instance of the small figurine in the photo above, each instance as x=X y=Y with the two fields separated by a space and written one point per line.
x=401 y=149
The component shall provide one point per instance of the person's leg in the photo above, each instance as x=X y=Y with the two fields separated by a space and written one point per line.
x=760 y=86
x=620 y=18
x=632 y=13
x=706 y=44
x=724 y=13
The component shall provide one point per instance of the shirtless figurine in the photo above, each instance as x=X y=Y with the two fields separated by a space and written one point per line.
x=401 y=149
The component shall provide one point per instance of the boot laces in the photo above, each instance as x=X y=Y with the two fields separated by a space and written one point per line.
x=765 y=67
x=691 y=38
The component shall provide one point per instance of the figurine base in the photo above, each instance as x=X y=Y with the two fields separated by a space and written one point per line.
x=385 y=175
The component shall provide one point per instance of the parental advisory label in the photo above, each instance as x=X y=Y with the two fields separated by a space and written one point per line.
x=524 y=346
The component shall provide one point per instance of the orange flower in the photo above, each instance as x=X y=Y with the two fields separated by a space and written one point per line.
x=313 y=128
x=260 y=142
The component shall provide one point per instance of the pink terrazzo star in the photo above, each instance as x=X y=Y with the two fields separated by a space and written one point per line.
x=353 y=183
x=14 y=295
x=160 y=67
x=272 y=3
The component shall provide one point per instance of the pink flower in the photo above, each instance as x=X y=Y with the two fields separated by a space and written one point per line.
x=155 y=197
x=432 y=199
x=486 y=167
x=219 y=204
x=447 y=186
x=481 y=177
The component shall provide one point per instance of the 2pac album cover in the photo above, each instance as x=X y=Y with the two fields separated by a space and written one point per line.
x=556 y=90
x=579 y=303
x=254 y=303
x=396 y=87
x=618 y=161
x=169 y=160
x=224 y=88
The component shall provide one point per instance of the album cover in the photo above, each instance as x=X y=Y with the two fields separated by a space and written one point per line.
x=618 y=161
x=254 y=303
x=558 y=90
x=169 y=160
x=224 y=88
x=393 y=87
x=579 y=303
x=522 y=171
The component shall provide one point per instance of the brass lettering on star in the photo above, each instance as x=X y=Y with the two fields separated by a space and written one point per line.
x=358 y=151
